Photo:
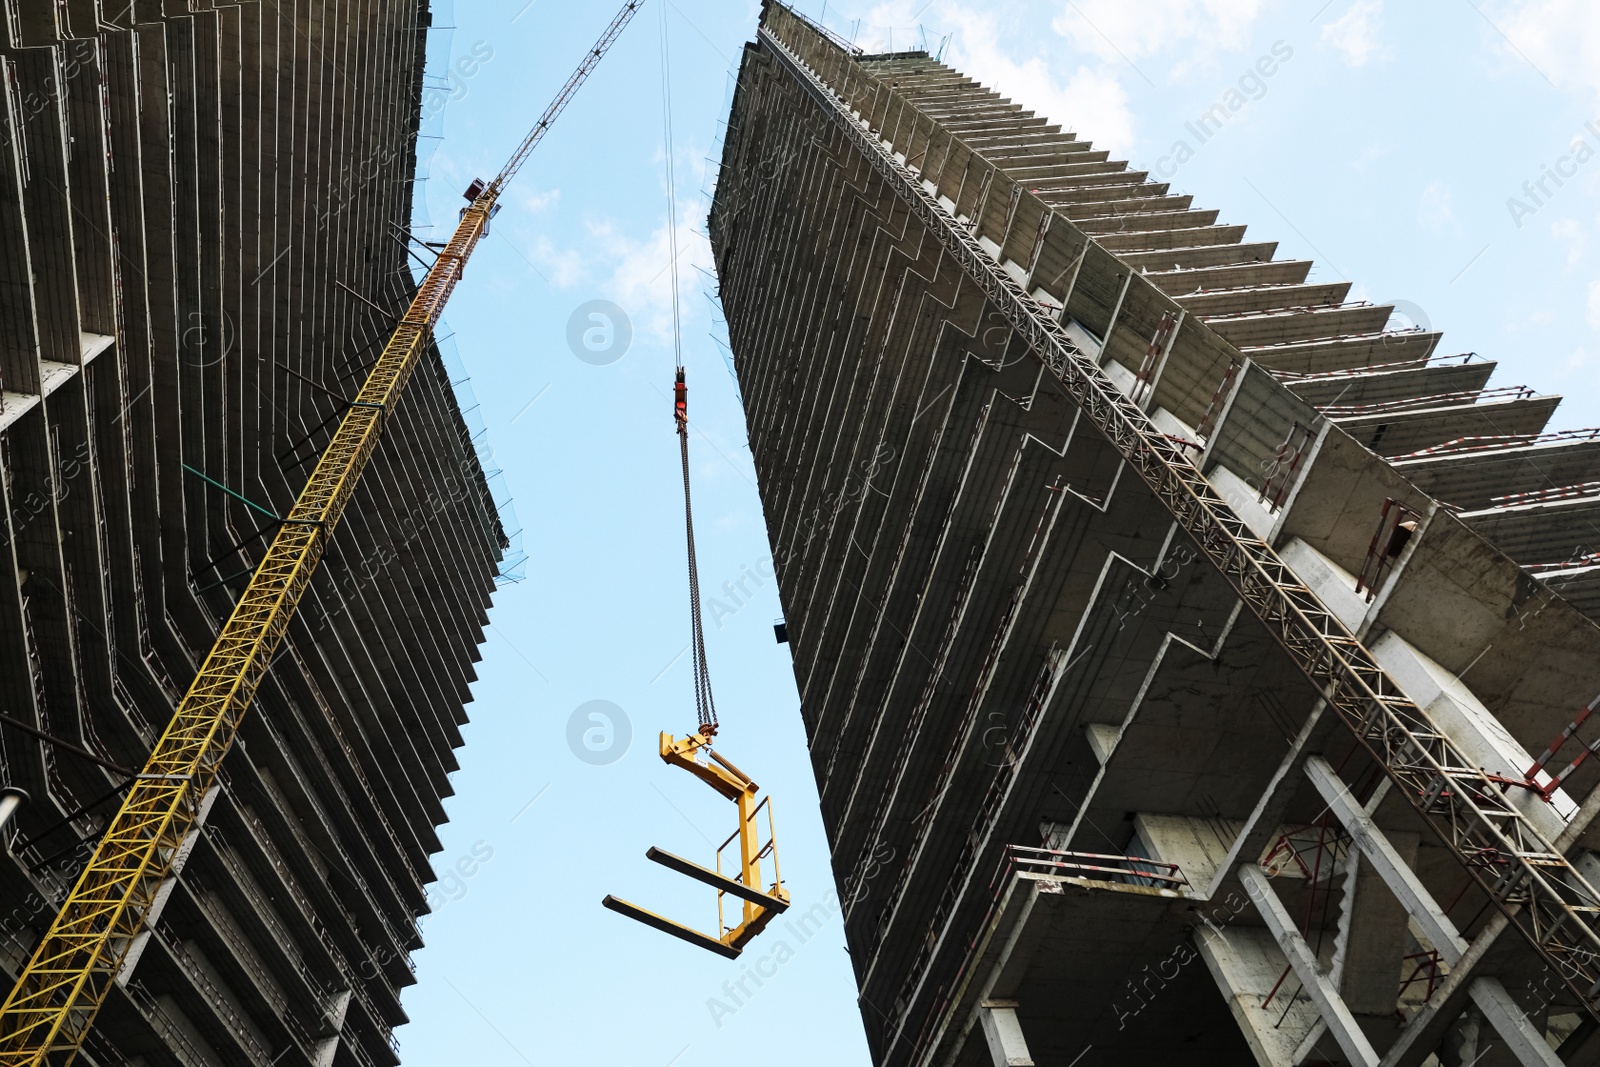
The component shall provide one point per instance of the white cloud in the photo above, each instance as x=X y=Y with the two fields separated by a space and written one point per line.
x=1594 y=304
x=1116 y=29
x=628 y=267
x=1368 y=156
x=1354 y=35
x=531 y=201
x=640 y=280
x=1438 y=210
x=1570 y=232
x=561 y=267
x=1108 y=31
x=1535 y=323
x=1561 y=38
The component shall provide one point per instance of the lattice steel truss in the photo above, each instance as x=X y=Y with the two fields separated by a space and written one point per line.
x=1525 y=875
x=564 y=97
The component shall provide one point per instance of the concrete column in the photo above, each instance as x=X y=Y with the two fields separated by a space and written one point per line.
x=335 y=1008
x=1004 y=1034
x=1341 y=1024
x=1148 y=400
x=1461 y=1046
x=1371 y=942
x=1116 y=313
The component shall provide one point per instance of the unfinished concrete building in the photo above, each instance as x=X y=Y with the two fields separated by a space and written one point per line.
x=1191 y=666
x=203 y=227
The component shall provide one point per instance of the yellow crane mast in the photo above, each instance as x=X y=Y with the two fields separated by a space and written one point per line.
x=49 y=1013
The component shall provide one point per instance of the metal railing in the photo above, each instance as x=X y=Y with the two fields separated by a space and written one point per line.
x=1099 y=867
x=1465 y=398
x=1543 y=496
x=332 y=718
x=1582 y=563
x=1020 y=859
x=1291 y=377
x=245 y=882
x=351 y=871
x=1498 y=442
x=770 y=848
x=1291 y=311
x=308 y=912
x=266 y=984
x=1338 y=338
x=270 y=850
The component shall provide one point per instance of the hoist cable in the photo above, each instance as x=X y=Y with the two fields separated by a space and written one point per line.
x=672 y=189
x=705 y=705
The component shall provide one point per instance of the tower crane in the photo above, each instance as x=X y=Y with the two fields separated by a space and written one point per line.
x=106 y=917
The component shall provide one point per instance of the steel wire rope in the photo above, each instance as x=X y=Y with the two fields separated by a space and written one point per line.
x=705 y=704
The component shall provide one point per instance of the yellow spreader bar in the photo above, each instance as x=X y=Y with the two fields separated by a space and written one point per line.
x=717 y=880
x=47 y=1016
x=667 y=926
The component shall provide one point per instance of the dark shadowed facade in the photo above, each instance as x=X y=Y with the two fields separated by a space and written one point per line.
x=202 y=247
x=1090 y=515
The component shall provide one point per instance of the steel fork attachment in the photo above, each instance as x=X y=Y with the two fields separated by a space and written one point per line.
x=760 y=905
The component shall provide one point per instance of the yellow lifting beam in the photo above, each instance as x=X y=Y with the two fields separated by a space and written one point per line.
x=761 y=906
x=48 y=1015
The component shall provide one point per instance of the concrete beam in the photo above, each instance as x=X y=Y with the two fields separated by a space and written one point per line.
x=1341 y=1023
x=1525 y=1040
x=1405 y=885
x=1004 y=1034
x=1370 y=947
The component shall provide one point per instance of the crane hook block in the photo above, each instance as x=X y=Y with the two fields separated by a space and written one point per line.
x=760 y=905
x=680 y=401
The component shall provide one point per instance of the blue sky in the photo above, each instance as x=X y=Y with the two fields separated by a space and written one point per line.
x=1388 y=146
